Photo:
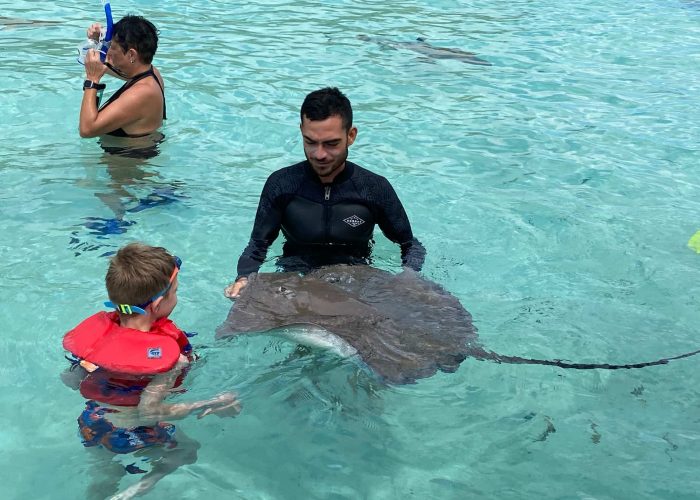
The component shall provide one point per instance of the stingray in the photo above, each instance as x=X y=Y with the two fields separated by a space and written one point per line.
x=426 y=49
x=401 y=326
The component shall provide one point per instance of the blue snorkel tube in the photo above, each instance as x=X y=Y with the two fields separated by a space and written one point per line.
x=110 y=25
x=103 y=44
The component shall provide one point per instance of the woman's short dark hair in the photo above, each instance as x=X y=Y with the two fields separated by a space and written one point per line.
x=138 y=33
x=324 y=103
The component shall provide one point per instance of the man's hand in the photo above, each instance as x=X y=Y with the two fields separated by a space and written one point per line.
x=234 y=289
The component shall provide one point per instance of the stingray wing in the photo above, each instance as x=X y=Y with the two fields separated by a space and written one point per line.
x=403 y=326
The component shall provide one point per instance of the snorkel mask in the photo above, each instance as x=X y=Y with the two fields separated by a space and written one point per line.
x=102 y=46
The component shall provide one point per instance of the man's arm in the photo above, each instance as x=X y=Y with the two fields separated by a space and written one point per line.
x=268 y=221
x=395 y=225
x=249 y=262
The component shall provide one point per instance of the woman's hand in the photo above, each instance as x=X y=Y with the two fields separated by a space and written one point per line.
x=94 y=67
x=94 y=31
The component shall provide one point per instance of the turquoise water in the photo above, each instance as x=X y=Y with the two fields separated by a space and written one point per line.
x=555 y=192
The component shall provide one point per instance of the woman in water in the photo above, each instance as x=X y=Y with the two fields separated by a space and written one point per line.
x=138 y=107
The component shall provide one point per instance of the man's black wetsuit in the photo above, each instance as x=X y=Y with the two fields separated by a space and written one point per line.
x=327 y=223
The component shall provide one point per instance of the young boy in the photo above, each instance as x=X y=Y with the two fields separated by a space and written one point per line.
x=131 y=360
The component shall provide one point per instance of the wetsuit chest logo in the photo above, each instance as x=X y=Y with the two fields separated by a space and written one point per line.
x=353 y=221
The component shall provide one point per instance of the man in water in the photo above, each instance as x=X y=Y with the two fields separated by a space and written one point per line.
x=138 y=107
x=326 y=206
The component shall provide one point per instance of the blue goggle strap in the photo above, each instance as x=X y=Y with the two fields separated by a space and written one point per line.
x=125 y=308
x=140 y=309
x=178 y=265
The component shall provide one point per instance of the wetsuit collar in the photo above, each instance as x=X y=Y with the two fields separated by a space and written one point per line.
x=341 y=177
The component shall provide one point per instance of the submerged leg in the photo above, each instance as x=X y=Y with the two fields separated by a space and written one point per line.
x=108 y=474
x=164 y=461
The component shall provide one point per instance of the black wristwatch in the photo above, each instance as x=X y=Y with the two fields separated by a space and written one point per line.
x=89 y=84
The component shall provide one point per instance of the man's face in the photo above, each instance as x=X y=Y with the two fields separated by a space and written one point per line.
x=326 y=145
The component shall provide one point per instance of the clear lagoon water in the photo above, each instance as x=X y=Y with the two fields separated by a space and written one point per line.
x=555 y=192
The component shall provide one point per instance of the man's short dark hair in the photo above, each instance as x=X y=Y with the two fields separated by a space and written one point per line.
x=138 y=33
x=324 y=103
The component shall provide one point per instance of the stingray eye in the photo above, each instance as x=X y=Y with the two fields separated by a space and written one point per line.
x=283 y=290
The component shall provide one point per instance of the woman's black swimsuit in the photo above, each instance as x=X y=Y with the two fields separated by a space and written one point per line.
x=327 y=223
x=120 y=131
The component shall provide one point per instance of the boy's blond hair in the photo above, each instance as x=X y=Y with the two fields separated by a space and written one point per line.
x=137 y=273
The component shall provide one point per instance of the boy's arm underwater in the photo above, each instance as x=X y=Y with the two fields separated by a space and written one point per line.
x=152 y=406
x=72 y=376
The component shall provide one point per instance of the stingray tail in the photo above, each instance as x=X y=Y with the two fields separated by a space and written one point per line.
x=498 y=358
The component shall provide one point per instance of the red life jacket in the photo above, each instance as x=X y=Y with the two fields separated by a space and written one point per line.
x=126 y=358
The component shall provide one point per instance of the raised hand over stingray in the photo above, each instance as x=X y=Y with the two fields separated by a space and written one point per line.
x=403 y=326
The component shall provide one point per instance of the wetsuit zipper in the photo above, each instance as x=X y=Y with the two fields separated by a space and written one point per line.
x=326 y=212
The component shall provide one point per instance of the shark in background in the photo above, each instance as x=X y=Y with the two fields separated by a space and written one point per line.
x=15 y=22
x=427 y=50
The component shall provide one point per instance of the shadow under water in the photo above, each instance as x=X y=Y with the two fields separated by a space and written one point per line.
x=129 y=172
